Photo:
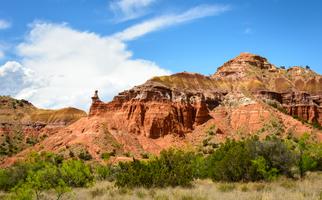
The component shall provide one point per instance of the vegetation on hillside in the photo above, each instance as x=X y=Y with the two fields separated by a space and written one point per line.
x=250 y=160
x=21 y=123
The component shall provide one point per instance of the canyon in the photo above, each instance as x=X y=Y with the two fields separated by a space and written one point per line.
x=246 y=96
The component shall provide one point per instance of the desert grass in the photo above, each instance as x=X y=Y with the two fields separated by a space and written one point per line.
x=309 y=188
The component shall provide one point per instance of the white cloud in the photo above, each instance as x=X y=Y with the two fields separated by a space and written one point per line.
x=130 y=9
x=60 y=66
x=68 y=65
x=9 y=67
x=13 y=78
x=158 y=23
x=4 y=24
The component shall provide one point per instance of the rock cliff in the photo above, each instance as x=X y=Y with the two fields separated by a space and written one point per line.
x=246 y=96
x=180 y=102
x=155 y=110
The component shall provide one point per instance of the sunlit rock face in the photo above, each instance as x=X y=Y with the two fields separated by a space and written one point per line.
x=244 y=97
x=178 y=103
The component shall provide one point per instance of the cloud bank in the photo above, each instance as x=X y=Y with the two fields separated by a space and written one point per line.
x=67 y=65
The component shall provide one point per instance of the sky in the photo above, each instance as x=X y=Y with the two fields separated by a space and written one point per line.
x=55 y=53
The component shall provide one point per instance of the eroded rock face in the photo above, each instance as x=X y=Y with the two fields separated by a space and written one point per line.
x=155 y=110
x=180 y=102
x=238 y=67
x=298 y=104
x=150 y=117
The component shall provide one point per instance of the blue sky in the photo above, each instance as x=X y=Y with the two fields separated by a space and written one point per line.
x=61 y=50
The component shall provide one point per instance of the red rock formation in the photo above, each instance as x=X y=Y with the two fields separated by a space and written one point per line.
x=238 y=67
x=153 y=111
x=178 y=103
x=150 y=117
x=298 y=104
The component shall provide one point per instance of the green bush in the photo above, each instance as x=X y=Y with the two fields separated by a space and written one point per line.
x=21 y=192
x=85 y=155
x=42 y=172
x=231 y=162
x=247 y=160
x=262 y=168
x=309 y=154
x=145 y=155
x=251 y=160
x=28 y=179
x=10 y=177
x=103 y=172
x=200 y=166
x=276 y=153
x=76 y=173
x=105 y=156
x=171 y=168
x=317 y=125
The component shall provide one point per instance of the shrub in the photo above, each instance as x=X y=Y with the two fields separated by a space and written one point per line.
x=273 y=127
x=309 y=154
x=22 y=192
x=200 y=167
x=61 y=188
x=76 y=173
x=263 y=169
x=105 y=156
x=231 y=162
x=276 y=154
x=103 y=172
x=85 y=155
x=10 y=177
x=317 y=125
x=31 y=141
x=28 y=179
x=172 y=168
x=127 y=154
x=42 y=179
x=212 y=130
x=145 y=155
x=251 y=160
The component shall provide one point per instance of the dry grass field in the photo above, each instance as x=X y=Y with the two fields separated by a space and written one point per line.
x=309 y=188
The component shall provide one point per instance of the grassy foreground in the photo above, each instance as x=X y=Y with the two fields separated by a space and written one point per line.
x=250 y=169
x=309 y=188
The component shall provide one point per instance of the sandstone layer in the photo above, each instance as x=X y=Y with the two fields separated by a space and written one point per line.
x=180 y=102
x=246 y=96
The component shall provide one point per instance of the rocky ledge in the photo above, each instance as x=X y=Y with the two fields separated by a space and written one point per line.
x=180 y=102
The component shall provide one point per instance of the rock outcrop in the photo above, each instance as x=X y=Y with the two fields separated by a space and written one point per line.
x=155 y=110
x=247 y=95
x=301 y=105
x=180 y=102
